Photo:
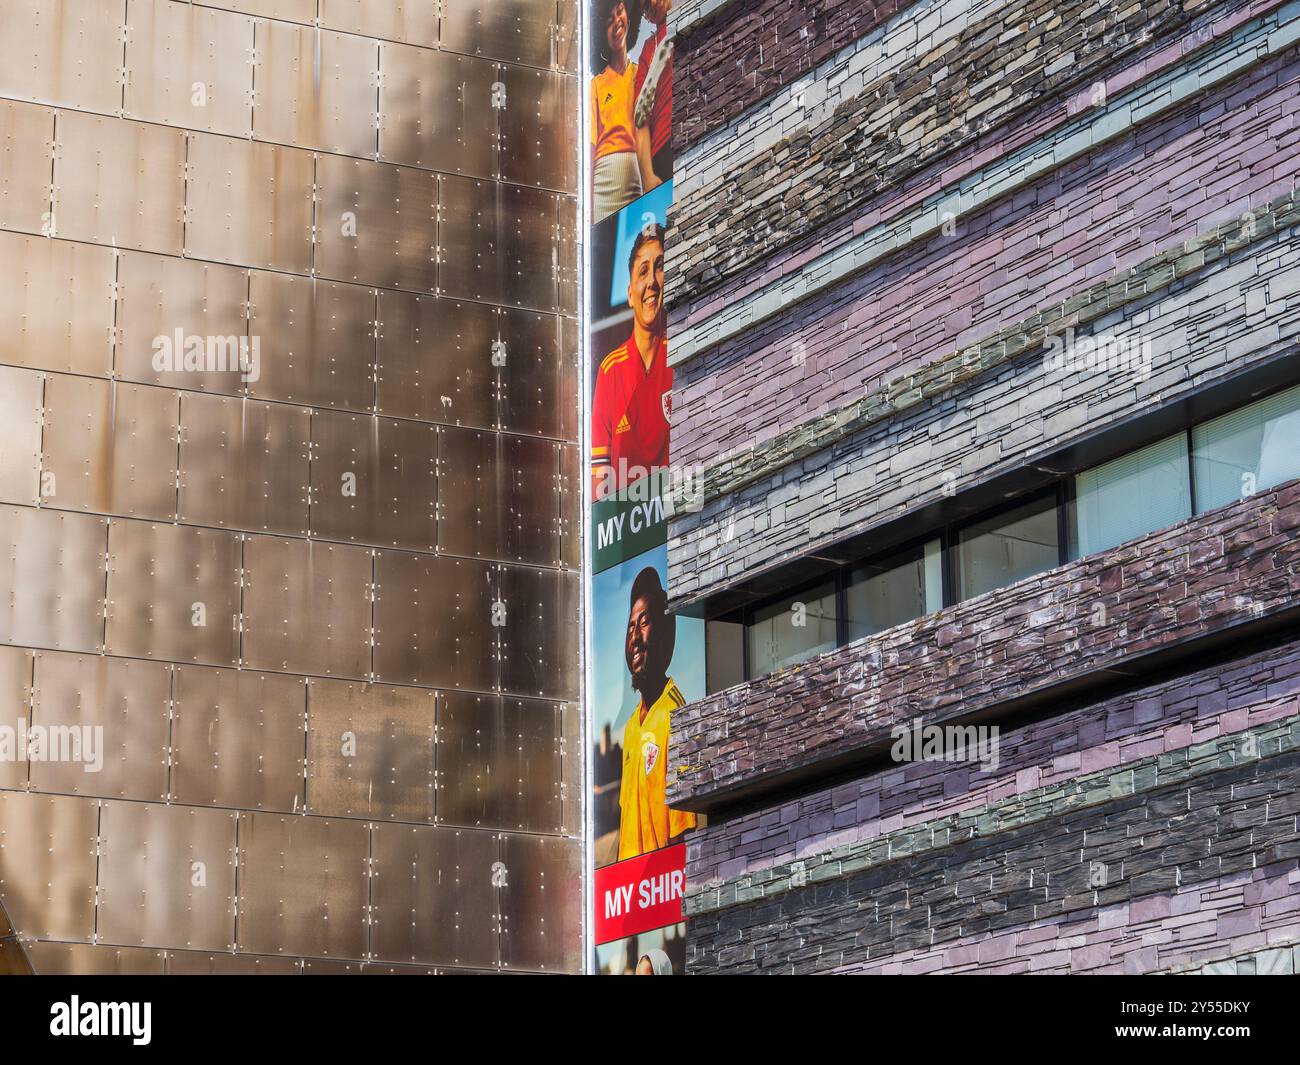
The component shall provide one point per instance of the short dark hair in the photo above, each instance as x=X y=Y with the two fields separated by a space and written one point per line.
x=599 y=42
x=647 y=586
x=645 y=236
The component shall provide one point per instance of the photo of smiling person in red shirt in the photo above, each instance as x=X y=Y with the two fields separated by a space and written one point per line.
x=632 y=407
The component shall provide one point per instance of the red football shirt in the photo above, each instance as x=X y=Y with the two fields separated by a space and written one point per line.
x=661 y=115
x=629 y=414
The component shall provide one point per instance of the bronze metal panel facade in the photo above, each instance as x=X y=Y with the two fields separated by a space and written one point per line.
x=374 y=480
x=113 y=712
x=307 y=607
x=516 y=31
x=196 y=963
x=541 y=917
x=173 y=593
x=47 y=878
x=189 y=66
x=238 y=739
x=249 y=203
x=167 y=876
x=375 y=224
x=21 y=395
x=56 y=304
x=244 y=464
x=119 y=183
x=501 y=765
x=16 y=693
x=533 y=379
x=63 y=52
x=433 y=895
x=370 y=751
x=315 y=339
x=315 y=88
x=288 y=10
x=541 y=636
x=303 y=885
x=433 y=621
x=110 y=447
x=438 y=110
x=435 y=359
x=500 y=497
x=539 y=143
x=412 y=21
x=51 y=579
x=85 y=959
x=26 y=144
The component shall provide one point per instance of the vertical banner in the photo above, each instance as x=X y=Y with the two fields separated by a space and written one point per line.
x=645 y=663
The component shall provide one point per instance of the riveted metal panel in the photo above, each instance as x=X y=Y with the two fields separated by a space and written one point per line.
x=26 y=148
x=504 y=244
x=196 y=963
x=167 y=876
x=433 y=895
x=437 y=110
x=189 y=66
x=52 y=579
x=119 y=183
x=307 y=607
x=165 y=307
x=85 y=959
x=320 y=967
x=374 y=480
x=21 y=394
x=571 y=495
x=110 y=447
x=47 y=864
x=238 y=738
x=539 y=138
x=370 y=751
x=413 y=21
x=16 y=698
x=433 y=621
x=435 y=359
x=570 y=377
x=302 y=885
x=249 y=203
x=518 y=31
x=64 y=52
x=173 y=593
x=533 y=396
x=375 y=224
x=540 y=637
x=56 y=304
x=289 y=10
x=498 y=762
x=126 y=704
x=315 y=89
x=244 y=464
x=500 y=497
x=316 y=341
x=572 y=784
x=541 y=913
x=568 y=37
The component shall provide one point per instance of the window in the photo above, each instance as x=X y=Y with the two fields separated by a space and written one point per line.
x=898 y=589
x=792 y=629
x=1133 y=495
x=1008 y=547
x=1247 y=451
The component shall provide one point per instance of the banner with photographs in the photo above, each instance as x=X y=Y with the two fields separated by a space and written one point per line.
x=644 y=662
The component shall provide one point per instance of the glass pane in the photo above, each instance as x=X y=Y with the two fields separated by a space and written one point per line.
x=1133 y=495
x=791 y=630
x=724 y=655
x=1009 y=547
x=898 y=589
x=1247 y=451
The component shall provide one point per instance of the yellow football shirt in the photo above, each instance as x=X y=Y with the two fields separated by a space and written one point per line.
x=645 y=821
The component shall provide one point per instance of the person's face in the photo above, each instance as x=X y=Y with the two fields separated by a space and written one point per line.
x=644 y=968
x=641 y=628
x=645 y=288
x=616 y=28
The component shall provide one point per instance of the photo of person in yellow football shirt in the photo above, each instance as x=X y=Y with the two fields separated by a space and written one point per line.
x=645 y=821
x=615 y=171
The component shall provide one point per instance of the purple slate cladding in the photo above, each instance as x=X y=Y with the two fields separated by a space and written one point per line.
x=1093 y=218
x=1218 y=571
